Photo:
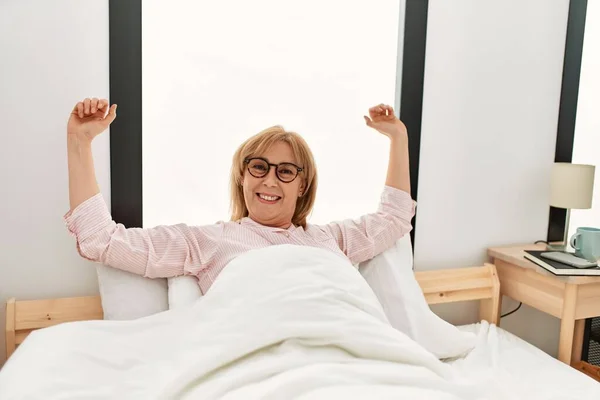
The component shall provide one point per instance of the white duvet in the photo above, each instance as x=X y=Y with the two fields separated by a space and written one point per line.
x=279 y=323
x=525 y=371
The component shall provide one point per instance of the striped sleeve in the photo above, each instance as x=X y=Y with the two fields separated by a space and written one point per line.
x=364 y=238
x=162 y=251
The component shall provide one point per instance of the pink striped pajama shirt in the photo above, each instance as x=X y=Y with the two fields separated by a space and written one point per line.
x=203 y=251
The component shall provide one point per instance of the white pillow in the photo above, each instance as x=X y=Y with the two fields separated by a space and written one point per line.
x=127 y=296
x=183 y=291
x=392 y=278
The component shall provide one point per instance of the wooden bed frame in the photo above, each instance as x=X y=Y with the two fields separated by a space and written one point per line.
x=439 y=286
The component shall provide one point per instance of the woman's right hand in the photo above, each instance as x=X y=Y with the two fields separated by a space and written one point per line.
x=90 y=118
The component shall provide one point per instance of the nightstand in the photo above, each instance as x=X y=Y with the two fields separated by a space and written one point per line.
x=572 y=299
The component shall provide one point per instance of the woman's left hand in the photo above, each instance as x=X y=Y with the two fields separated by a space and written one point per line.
x=383 y=120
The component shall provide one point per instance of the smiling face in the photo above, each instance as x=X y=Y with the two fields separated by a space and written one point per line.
x=270 y=201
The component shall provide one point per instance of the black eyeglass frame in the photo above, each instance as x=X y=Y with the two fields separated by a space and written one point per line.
x=269 y=165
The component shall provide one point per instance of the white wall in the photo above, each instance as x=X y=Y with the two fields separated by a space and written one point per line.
x=490 y=110
x=586 y=144
x=53 y=54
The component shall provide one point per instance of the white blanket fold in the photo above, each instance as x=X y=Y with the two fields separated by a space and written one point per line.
x=281 y=322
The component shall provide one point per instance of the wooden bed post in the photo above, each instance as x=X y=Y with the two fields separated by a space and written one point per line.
x=489 y=309
x=25 y=316
x=10 y=327
x=464 y=284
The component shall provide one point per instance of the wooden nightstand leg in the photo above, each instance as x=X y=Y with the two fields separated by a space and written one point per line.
x=578 y=341
x=567 y=324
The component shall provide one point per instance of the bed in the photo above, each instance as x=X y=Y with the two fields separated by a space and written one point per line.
x=334 y=345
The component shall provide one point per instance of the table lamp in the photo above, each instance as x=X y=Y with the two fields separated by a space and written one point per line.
x=571 y=187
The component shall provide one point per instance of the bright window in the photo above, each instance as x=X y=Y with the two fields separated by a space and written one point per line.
x=215 y=73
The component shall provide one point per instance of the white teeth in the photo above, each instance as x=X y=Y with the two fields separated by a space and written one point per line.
x=268 y=198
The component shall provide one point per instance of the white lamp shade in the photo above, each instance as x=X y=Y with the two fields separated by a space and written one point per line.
x=572 y=185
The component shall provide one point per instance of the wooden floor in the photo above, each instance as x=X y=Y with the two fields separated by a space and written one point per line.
x=588 y=369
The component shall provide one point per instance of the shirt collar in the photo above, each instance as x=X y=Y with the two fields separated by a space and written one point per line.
x=247 y=221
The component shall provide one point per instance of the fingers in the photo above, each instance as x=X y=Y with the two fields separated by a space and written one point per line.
x=368 y=120
x=390 y=111
x=376 y=112
x=79 y=109
x=112 y=114
x=93 y=105
x=102 y=104
x=386 y=110
x=381 y=112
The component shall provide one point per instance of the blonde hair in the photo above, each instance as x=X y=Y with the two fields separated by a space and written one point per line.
x=258 y=145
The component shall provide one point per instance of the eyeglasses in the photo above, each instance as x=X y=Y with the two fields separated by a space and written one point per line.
x=259 y=168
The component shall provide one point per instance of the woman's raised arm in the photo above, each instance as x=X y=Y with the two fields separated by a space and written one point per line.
x=153 y=252
x=382 y=119
x=365 y=237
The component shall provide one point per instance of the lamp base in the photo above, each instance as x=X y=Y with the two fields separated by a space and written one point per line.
x=564 y=245
x=558 y=247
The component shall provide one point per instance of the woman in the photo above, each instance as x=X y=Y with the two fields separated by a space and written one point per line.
x=273 y=187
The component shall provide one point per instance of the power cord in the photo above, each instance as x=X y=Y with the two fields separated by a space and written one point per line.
x=513 y=311
x=520 y=303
